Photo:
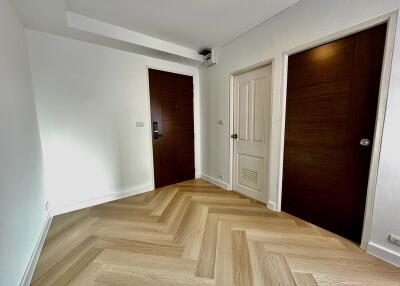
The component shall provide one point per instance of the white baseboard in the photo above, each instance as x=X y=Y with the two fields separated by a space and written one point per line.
x=30 y=269
x=101 y=200
x=271 y=205
x=197 y=175
x=215 y=181
x=26 y=279
x=384 y=253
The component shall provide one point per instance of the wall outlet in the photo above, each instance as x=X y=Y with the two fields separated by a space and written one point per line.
x=139 y=124
x=394 y=239
x=221 y=122
x=221 y=177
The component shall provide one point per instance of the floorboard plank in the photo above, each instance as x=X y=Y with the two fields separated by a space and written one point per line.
x=194 y=233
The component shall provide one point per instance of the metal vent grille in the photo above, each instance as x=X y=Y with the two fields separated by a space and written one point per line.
x=249 y=177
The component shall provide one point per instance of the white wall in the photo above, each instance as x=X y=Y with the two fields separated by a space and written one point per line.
x=22 y=203
x=89 y=99
x=303 y=23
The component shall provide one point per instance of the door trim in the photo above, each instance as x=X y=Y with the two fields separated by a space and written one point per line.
x=231 y=120
x=196 y=115
x=391 y=20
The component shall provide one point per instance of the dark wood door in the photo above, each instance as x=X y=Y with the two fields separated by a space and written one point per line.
x=331 y=106
x=171 y=100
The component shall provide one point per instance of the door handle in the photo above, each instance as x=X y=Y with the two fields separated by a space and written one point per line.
x=234 y=136
x=156 y=133
x=365 y=142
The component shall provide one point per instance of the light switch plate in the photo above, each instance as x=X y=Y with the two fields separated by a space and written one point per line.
x=394 y=239
x=139 y=124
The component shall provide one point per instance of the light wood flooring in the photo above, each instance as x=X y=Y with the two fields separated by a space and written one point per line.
x=194 y=233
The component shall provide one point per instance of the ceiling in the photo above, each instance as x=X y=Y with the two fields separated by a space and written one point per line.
x=192 y=24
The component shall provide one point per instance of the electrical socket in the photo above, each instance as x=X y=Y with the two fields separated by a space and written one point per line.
x=394 y=239
x=221 y=177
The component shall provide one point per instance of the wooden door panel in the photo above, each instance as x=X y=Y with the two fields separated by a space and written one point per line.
x=331 y=104
x=315 y=66
x=252 y=92
x=180 y=126
x=171 y=100
x=250 y=168
x=259 y=109
x=243 y=108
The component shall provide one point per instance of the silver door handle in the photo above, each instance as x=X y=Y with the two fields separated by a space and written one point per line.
x=365 y=142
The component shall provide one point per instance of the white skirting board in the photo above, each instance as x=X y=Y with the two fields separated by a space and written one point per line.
x=101 y=200
x=271 y=206
x=215 y=181
x=26 y=280
x=384 y=253
x=30 y=269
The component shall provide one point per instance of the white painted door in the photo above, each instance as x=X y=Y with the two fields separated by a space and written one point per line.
x=251 y=124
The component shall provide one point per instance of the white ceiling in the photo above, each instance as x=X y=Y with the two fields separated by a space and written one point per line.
x=191 y=23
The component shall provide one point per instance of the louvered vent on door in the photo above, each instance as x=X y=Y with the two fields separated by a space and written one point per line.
x=248 y=177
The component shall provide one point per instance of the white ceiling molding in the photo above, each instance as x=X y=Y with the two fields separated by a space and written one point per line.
x=192 y=24
x=97 y=27
x=172 y=30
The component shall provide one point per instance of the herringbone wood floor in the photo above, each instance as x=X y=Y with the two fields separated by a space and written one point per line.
x=194 y=233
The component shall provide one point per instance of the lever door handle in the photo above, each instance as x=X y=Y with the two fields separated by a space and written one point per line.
x=234 y=136
x=156 y=133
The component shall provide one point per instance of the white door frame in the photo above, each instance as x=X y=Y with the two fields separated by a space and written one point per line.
x=196 y=115
x=391 y=20
x=231 y=119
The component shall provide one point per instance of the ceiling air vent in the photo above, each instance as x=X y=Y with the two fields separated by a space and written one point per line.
x=210 y=57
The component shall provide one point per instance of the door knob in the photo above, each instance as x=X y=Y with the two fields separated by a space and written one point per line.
x=365 y=142
x=234 y=136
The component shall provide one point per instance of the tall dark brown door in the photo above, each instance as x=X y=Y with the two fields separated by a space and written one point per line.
x=171 y=100
x=330 y=119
